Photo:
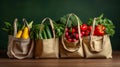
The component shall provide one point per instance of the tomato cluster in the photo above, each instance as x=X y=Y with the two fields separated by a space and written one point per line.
x=98 y=31
x=85 y=29
x=72 y=35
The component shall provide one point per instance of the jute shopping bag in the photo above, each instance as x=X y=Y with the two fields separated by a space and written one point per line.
x=97 y=46
x=47 y=48
x=19 y=48
x=71 y=49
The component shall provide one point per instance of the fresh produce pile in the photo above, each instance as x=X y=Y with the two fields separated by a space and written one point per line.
x=103 y=26
x=23 y=30
x=85 y=30
x=71 y=34
x=41 y=31
x=61 y=23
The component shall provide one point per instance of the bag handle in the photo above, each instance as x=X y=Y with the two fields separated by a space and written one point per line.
x=28 y=54
x=15 y=25
x=25 y=23
x=80 y=39
x=51 y=23
x=91 y=38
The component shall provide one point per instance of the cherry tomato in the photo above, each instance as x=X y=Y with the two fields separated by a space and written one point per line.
x=90 y=28
x=82 y=33
x=83 y=27
x=87 y=32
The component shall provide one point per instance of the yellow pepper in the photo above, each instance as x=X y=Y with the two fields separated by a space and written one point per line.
x=18 y=35
x=25 y=34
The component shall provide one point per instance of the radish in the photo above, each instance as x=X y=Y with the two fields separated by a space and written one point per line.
x=67 y=29
x=73 y=40
x=73 y=30
x=77 y=36
x=66 y=34
x=69 y=40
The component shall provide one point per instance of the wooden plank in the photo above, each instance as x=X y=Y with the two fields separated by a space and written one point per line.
x=114 y=62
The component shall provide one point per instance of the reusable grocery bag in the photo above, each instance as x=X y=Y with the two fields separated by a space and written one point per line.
x=47 y=48
x=97 y=46
x=71 y=49
x=19 y=48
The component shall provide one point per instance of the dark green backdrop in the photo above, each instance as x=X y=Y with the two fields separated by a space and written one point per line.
x=38 y=9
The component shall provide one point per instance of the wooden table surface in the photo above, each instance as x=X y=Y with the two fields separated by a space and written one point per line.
x=114 y=62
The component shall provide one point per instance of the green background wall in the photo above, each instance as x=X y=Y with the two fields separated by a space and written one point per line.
x=38 y=9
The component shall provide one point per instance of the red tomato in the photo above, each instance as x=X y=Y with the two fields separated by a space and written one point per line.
x=83 y=27
x=87 y=32
x=90 y=28
x=82 y=33
x=95 y=32
x=101 y=33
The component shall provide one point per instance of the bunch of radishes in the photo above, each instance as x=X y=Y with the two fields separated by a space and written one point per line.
x=71 y=34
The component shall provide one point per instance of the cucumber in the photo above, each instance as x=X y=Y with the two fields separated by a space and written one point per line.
x=44 y=34
x=48 y=31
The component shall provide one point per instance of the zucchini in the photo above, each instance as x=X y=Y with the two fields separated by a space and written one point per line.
x=49 y=33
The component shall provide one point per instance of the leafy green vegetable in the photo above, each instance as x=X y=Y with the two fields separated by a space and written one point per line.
x=61 y=23
x=41 y=31
x=36 y=30
x=59 y=29
x=8 y=27
x=71 y=22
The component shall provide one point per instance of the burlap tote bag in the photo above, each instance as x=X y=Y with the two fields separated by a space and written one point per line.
x=71 y=49
x=97 y=46
x=19 y=48
x=47 y=48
